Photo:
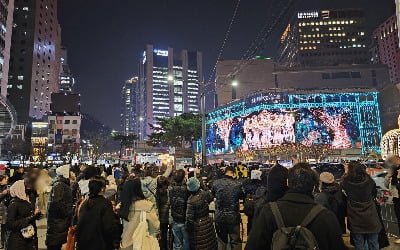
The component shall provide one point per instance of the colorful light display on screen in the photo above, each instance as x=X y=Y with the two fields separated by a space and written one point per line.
x=342 y=120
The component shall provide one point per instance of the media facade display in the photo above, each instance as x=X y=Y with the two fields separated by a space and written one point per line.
x=341 y=120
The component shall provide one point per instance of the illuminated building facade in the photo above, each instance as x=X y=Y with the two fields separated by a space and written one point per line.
x=39 y=140
x=324 y=38
x=398 y=16
x=342 y=119
x=386 y=48
x=35 y=58
x=129 y=113
x=390 y=143
x=6 y=22
x=169 y=84
x=66 y=79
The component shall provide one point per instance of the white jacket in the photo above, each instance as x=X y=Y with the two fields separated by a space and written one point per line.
x=134 y=219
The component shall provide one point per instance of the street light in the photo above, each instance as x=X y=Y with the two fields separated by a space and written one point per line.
x=170 y=78
x=234 y=84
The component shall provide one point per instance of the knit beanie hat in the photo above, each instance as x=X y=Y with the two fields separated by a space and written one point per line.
x=327 y=178
x=193 y=184
x=63 y=171
x=256 y=175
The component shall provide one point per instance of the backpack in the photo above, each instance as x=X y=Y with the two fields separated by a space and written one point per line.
x=293 y=238
x=249 y=204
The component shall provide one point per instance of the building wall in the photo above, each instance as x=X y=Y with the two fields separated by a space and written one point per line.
x=328 y=37
x=386 y=49
x=354 y=76
x=64 y=132
x=34 y=63
x=5 y=45
x=251 y=77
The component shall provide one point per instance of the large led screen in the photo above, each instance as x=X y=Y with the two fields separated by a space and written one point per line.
x=266 y=128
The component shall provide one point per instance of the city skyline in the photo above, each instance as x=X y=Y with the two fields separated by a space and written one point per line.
x=119 y=60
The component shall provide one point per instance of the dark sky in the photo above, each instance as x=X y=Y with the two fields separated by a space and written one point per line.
x=106 y=37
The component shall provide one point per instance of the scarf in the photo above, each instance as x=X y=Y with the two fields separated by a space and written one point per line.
x=18 y=190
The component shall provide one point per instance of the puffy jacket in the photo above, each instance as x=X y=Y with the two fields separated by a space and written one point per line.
x=98 y=226
x=20 y=215
x=178 y=196
x=162 y=206
x=60 y=212
x=199 y=225
x=362 y=215
x=228 y=192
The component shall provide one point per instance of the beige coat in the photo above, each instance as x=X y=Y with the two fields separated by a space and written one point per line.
x=134 y=219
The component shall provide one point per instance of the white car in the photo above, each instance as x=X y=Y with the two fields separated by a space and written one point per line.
x=379 y=179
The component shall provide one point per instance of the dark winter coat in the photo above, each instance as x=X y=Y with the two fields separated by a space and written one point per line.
x=199 y=225
x=331 y=197
x=20 y=215
x=178 y=196
x=162 y=206
x=60 y=212
x=98 y=228
x=4 y=202
x=294 y=207
x=277 y=182
x=362 y=215
x=228 y=192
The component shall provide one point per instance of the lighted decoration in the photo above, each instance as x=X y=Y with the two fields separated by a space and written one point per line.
x=336 y=118
x=300 y=152
x=248 y=155
x=390 y=144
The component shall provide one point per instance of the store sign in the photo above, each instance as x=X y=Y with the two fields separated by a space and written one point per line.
x=159 y=52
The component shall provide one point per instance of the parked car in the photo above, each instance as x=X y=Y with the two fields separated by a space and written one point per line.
x=374 y=168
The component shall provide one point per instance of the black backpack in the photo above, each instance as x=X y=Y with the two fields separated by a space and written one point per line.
x=294 y=238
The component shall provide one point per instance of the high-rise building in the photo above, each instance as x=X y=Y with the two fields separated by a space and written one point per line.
x=35 y=58
x=129 y=112
x=398 y=16
x=324 y=38
x=6 y=22
x=169 y=84
x=386 y=48
x=66 y=79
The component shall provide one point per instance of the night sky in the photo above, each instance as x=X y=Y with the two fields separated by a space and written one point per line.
x=106 y=37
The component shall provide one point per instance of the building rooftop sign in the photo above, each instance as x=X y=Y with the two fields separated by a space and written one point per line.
x=160 y=52
x=307 y=14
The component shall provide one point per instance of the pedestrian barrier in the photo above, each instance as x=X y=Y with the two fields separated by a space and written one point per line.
x=389 y=219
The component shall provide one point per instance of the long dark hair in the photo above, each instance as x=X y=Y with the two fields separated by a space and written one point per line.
x=356 y=172
x=96 y=185
x=162 y=185
x=132 y=191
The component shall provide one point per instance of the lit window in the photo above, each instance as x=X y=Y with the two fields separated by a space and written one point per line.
x=25 y=8
x=19 y=86
x=21 y=78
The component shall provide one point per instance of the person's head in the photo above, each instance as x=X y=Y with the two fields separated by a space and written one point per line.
x=179 y=176
x=150 y=170
x=392 y=162
x=230 y=171
x=193 y=184
x=89 y=172
x=326 y=179
x=97 y=186
x=162 y=183
x=20 y=170
x=63 y=171
x=302 y=179
x=356 y=172
x=255 y=174
x=3 y=180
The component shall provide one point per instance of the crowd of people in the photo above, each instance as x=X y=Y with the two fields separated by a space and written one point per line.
x=151 y=207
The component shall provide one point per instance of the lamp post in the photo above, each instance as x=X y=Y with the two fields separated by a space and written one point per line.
x=203 y=128
x=234 y=85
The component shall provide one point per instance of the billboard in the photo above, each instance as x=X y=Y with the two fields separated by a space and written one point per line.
x=341 y=120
